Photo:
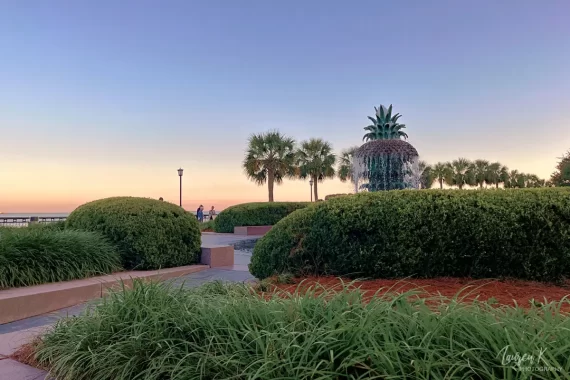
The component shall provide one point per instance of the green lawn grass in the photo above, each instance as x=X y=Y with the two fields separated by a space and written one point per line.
x=229 y=332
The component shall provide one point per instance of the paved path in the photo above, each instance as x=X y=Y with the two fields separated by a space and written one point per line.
x=191 y=280
x=11 y=370
x=238 y=273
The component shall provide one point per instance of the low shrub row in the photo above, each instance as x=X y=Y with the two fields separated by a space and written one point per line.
x=331 y=196
x=32 y=256
x=255 y=214
x=148 y=233
x=521 y=233
x=230 y=332
x=59 y=226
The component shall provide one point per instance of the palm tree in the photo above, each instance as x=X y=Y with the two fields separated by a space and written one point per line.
x=521 y=180
x=270 y=157
x=561 y=177
x=532 y=180
x=345 y=169
x=497 y=173
x=511 y=179
x=440 y=172
x=480 y=172
x=316 y=161
x=427 y=175
x=459 y=173
x=384 y=126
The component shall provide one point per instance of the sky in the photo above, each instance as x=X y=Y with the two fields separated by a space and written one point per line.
x=106 y=98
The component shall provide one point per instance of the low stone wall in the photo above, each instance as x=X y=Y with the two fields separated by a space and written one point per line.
x=217 y=255
x=252 y=230
x=25 y=302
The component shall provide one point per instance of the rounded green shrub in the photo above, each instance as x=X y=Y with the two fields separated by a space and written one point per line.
x=522 y=233
x=32 y=256
x=255 y=214
x=149 y=234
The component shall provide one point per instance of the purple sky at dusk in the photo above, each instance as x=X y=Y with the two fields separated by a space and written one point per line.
x=105 y=98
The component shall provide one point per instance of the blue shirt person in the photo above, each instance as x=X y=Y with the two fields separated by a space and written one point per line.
x=200 y=213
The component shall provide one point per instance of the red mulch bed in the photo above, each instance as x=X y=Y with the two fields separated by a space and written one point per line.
x=504 y=292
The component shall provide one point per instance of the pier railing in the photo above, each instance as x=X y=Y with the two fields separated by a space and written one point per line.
x=23 y=221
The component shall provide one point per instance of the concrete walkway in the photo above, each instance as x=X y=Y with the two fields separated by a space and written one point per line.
x=225 y=239
x=189 y=281
x=14 y=334
x=13 y=370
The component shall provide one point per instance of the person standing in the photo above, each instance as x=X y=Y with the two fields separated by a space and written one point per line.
x=212 y=213
x=200 y=213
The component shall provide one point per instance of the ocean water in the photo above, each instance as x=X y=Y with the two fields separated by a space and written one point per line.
x=39 y=214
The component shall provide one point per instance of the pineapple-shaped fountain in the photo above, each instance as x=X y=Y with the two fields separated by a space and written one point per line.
x=386 y=161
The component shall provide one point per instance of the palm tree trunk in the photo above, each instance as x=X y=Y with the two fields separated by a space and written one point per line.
x=270 y=183
x=497 y=185
x=315 y=188
x=441 y=183
x=481 y=185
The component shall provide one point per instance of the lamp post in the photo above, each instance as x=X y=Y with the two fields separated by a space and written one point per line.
x=180 y=175
x=311 y=183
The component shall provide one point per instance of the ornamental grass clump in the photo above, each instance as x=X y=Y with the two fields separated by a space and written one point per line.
x=32 y=256
x=155 y=331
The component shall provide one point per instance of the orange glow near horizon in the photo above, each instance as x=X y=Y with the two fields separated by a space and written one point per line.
x=61 y=180
x=61 y=188
x=58 y=189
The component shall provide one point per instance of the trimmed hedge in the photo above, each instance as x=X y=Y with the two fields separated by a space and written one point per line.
x=149 y=234
x=522 y=233
x=255 y=214
x=32 y=256
x=331 y=196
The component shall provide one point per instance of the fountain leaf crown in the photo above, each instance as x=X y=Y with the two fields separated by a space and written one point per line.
x=384 y=126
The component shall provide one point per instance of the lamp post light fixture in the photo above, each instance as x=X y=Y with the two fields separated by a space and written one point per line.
x=180 y=175
x=311 y=183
